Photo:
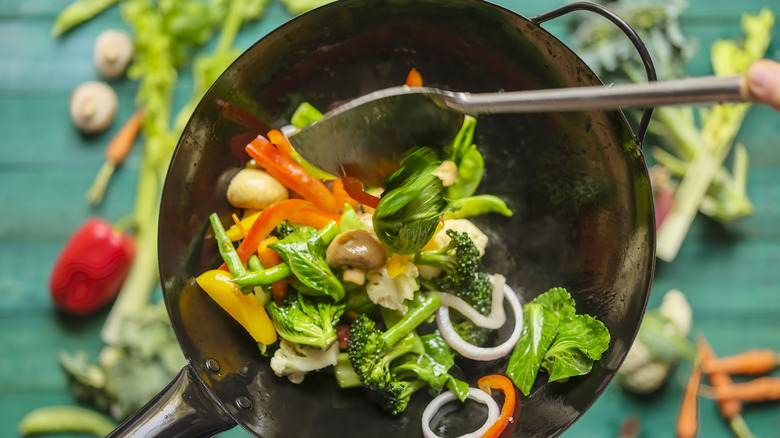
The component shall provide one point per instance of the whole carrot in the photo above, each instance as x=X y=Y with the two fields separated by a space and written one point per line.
x=730 y=409
x=688 y=421
x=749 y=362
x=756 y=390
x=116 y=152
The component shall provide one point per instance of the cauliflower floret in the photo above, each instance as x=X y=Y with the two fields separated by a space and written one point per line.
x=441 y=239
x=391 y=292
x=294 y=361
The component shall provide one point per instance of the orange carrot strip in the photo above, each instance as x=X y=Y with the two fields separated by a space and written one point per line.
x=687 y=422
x=269 y=258
x=750 y=362
x=116 y=152
x=414 y=78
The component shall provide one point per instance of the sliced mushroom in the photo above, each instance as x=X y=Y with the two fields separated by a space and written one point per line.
x=254 y=188
x=356 y=249
x=112 y=53
x=93 y=106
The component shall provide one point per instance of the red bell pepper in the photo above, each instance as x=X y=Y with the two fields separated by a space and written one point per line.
x=279 y=165
x=91 y=268
x=354 y=188
x=341 y=196
x=265 y=223
x=497 y=381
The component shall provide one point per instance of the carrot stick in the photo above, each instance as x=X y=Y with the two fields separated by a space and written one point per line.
x=269 y=258
x=116 y=152
x=687 y=423
x=414 y=78
x=749 y=362
x=756 y=390
x=730 y=409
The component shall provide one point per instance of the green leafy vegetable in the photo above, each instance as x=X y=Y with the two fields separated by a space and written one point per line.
x=581 y=341
x=412 y=204
x=540 y=325
x=306 y=320
x=350 y=220
x=469 y=161
x=557 y=339
x=304 y=250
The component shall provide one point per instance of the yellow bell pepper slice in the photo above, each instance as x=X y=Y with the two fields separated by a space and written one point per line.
x=246 y=309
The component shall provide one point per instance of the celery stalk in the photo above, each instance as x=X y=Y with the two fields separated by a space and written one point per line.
x=720 y=126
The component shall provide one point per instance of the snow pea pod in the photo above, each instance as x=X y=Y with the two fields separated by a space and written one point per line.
x=478 y=205
x=470 y=170
x=65 y=419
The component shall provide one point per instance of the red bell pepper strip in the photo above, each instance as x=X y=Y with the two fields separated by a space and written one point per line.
x=341 y=195
x=313 y=218
x=497 y=381
x=354 y=187
x=291 y=174
x=91 y=268
x=264 y=224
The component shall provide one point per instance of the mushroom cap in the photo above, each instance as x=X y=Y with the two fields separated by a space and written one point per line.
x=93 y=106
x=356 y=249
x=112 y=53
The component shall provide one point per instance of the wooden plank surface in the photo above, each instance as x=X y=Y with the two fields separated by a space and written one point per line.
x=731 y=276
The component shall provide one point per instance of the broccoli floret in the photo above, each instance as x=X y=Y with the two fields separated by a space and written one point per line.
x=371 y=353
x=306 y=320
x=284 y=229
x=459 y=260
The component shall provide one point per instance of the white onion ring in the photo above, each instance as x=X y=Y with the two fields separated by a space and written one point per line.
x=448 y=396
x=495 y=319
x=481 y=353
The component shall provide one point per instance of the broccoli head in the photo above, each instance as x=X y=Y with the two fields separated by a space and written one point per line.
x=459 y=260
x=372 y=351
x=306 y=320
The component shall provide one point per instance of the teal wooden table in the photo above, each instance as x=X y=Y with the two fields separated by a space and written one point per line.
x=731 y=276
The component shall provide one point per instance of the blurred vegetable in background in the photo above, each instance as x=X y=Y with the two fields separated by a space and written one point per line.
x=142 y=355
x=91 y=267
x=694 y=149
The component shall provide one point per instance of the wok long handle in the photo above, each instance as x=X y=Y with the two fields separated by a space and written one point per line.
x=707 y=89
x=184 y=409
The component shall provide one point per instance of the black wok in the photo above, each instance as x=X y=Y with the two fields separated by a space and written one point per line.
x=577 y=183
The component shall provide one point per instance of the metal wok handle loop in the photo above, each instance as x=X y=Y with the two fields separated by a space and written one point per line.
x=644 y=122
x=184 y=409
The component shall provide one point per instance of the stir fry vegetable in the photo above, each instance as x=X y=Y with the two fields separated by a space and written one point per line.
x=365 y=276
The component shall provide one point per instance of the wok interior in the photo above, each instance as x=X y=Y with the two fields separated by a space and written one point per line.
x=576 y=181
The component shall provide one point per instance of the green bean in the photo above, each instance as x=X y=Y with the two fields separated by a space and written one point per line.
x=478 y=205
x=254 y=263
x=264 y=277
x=78 y=12
x=226 y=249
x=65 y=419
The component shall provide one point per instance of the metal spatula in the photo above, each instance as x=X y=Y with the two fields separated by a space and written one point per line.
x=367 y=136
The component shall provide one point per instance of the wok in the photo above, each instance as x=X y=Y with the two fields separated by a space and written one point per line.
x=576 y=181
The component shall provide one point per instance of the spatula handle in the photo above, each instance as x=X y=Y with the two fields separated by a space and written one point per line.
x=700 y=90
